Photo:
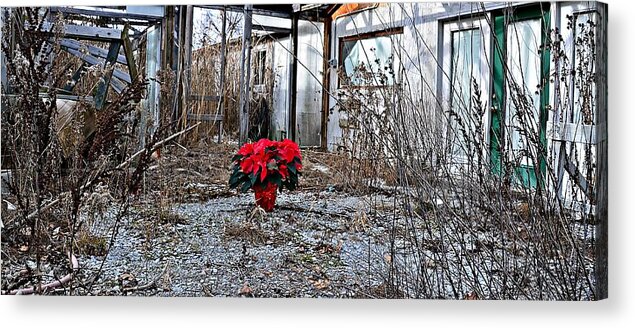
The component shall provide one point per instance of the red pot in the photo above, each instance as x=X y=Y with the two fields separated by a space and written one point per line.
x=266 y=197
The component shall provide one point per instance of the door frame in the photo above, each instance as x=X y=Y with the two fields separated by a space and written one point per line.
x=528 y=175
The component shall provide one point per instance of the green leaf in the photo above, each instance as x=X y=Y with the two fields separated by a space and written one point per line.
x=276 y=178
x=245 y=186
x=235 y=179
x=254 y=177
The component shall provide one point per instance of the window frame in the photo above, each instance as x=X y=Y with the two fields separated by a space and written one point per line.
x=363 y=36
x=260 y=71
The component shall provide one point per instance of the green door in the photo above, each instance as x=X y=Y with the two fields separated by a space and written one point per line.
x=521 y=94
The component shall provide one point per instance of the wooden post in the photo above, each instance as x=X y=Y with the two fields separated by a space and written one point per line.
x=245 y=74
x=326 y=81
x=178 y=66
x=127 y=48
x=102 y=86
x=293 y=80
x=223 y=63
x=602 y=176
x=187 y=63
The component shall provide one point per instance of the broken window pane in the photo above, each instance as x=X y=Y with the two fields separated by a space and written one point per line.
x=368 y=62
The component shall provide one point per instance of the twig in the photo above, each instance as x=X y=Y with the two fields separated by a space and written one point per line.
x=49 y=286
x=120 y=166
x=149 y=285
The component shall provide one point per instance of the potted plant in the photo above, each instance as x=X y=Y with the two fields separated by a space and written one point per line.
x=266 y=166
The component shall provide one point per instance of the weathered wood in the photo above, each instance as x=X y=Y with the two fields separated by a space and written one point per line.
x=223 y=63
x=271 y=29
x=293 y=80
x=86 y=32
x=245 y=74
x=117 y=85
x=178 y=66
x=186 y=56
x=326 y=81
x=96 y=61
x=255 y=11
x=205 y=117
x=102 y=86
x=203 y=98
x=167 y=28
x=59 y=96
x=92 y=50
x=107 y=14
x=128 y=50
x=601 y=264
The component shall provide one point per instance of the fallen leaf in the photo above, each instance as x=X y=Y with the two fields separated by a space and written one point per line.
x=245 y=290
x=320 y=283
x=471 y=296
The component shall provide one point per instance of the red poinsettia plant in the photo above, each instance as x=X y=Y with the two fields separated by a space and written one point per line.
x=266 y=166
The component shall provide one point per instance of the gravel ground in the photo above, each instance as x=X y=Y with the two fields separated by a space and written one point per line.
x=312 y=245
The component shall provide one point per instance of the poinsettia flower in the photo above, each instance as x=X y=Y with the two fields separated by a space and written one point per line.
x=261 y=145
x=246 y=150
x=261 y=160
x=288 y=150
x=247 y=165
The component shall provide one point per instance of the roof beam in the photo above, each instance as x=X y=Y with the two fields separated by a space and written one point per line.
x=271 y=29
x=104 y=13
x=86 y=32
x=255 y=11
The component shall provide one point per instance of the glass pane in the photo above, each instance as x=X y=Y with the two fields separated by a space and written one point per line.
x=522 y=87
x=365 y=61
x=466 y=54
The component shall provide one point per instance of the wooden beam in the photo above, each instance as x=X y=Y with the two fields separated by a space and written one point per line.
x=178 y=66
x=187 y=55
x=255 y=11
x=326 y=83
x=128 y=49
x=117 y=85
x=271 y=29
x=293 y=80
x=167 y=29
x=205 y=117
x=102 y=86
x=92 y=50
x=95 y=61
x=103 y=13
x=86 y=32
x=245 y=74
x=601 y=264
x=203 y=98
